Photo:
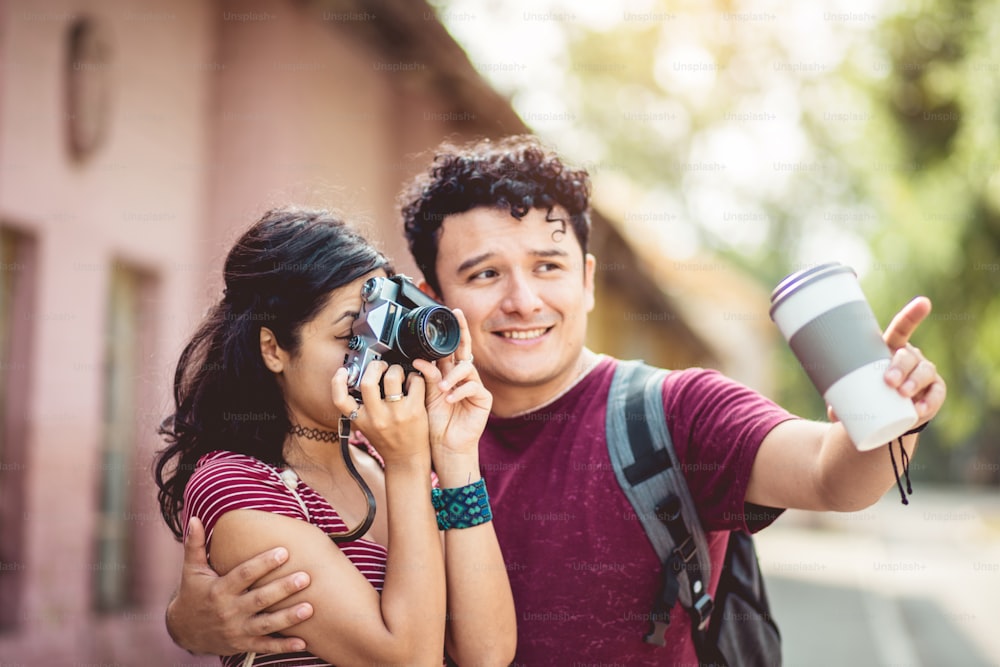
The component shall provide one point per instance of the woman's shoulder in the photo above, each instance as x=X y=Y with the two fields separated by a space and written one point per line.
x=232 y=466
x=224 y=481
x=230 y=459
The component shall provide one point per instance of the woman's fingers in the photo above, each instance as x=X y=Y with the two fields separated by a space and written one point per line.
x=342 y=398
x=416 y=388
x=461 y=368
x=429 y=370
x=392 y=383
x=464 y=350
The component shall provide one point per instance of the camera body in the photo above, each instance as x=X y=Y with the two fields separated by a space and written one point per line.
x=398 y=323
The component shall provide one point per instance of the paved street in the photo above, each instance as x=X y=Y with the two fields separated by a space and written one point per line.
x=913 y=586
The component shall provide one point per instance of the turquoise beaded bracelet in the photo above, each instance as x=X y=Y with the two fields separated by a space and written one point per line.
x=463 y=507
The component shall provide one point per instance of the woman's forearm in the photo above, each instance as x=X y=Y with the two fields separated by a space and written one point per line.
x=413 y=597
x=482 y=627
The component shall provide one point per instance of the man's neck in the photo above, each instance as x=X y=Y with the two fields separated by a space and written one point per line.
x=512 y=400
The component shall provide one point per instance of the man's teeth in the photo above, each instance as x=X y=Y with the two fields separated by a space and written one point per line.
x=522 y=335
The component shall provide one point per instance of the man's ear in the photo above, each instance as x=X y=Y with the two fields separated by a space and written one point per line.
x=424 y=287
x=270 y=352
x=589 y=266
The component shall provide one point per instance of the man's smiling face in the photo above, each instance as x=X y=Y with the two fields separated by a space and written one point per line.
x=526 y=288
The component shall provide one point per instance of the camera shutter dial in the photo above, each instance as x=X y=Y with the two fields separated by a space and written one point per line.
x=371 y=289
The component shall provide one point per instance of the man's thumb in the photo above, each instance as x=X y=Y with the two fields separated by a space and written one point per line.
x=194 y=543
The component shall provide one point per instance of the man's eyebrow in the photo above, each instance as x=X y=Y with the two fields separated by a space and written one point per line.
x=550 y=252
x=472 y=261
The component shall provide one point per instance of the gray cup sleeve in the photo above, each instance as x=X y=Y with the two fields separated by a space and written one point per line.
x=841 y=340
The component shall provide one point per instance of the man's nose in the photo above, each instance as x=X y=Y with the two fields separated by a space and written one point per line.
x=522 y=295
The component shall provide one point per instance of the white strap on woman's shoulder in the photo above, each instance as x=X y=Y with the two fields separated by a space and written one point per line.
x=291 y=482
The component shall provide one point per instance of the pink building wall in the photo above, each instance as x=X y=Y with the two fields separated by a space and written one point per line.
x=212 y=119
x=298 y=114
x=129 y=202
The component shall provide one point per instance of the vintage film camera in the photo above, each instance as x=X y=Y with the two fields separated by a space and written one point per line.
x=398 y=323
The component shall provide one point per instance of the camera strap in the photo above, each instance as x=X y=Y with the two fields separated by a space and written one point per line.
x=345 y=452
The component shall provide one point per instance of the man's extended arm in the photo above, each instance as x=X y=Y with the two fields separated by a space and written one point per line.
x=217 y=615
x=815 y=466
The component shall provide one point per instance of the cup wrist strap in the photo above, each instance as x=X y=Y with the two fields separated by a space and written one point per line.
x=916 y=429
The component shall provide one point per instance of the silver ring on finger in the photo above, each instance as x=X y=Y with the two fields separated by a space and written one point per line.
x=354 y=413
x=392 y=398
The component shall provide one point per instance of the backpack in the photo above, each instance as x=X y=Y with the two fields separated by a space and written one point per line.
x=736 y=628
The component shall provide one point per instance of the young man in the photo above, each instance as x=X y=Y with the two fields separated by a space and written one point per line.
x=500 y=230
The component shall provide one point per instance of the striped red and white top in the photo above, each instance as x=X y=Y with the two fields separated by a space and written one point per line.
x=225 y=481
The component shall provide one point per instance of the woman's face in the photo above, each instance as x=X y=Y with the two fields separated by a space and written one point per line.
x=306 y=374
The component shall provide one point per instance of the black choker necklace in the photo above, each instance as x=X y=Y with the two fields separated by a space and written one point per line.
x=342 y=436
x=314 y=433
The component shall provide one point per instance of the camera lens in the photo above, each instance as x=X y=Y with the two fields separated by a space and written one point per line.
x=428 y=332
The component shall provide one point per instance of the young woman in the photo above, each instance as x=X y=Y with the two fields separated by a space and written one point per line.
x=254 y=453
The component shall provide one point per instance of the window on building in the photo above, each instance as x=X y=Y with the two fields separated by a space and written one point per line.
x=17 y=284
x=127 y=338
x=88 y=86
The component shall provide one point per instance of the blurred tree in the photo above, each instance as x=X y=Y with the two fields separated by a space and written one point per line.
x=936 y=121
x=779 y=135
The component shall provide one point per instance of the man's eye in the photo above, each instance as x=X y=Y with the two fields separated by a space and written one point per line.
x=487 y=273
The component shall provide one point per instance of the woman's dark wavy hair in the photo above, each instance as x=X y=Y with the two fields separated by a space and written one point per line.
x=279 y=274
x=516 y=173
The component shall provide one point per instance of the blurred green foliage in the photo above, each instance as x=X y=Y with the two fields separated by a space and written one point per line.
x=866 y=136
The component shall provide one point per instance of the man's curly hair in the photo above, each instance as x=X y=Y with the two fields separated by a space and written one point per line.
x=516 y=173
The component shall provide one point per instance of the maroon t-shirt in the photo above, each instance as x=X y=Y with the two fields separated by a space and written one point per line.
x=581 y=567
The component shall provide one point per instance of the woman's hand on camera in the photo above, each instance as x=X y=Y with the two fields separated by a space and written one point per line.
x=458 y=406
x=396 y=424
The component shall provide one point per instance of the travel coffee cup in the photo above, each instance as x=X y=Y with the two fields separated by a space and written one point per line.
x=824 y=316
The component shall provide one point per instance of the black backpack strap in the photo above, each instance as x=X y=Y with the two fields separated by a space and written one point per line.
x=647 y=469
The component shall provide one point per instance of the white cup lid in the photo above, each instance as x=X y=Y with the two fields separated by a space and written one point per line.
x=793 y=282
